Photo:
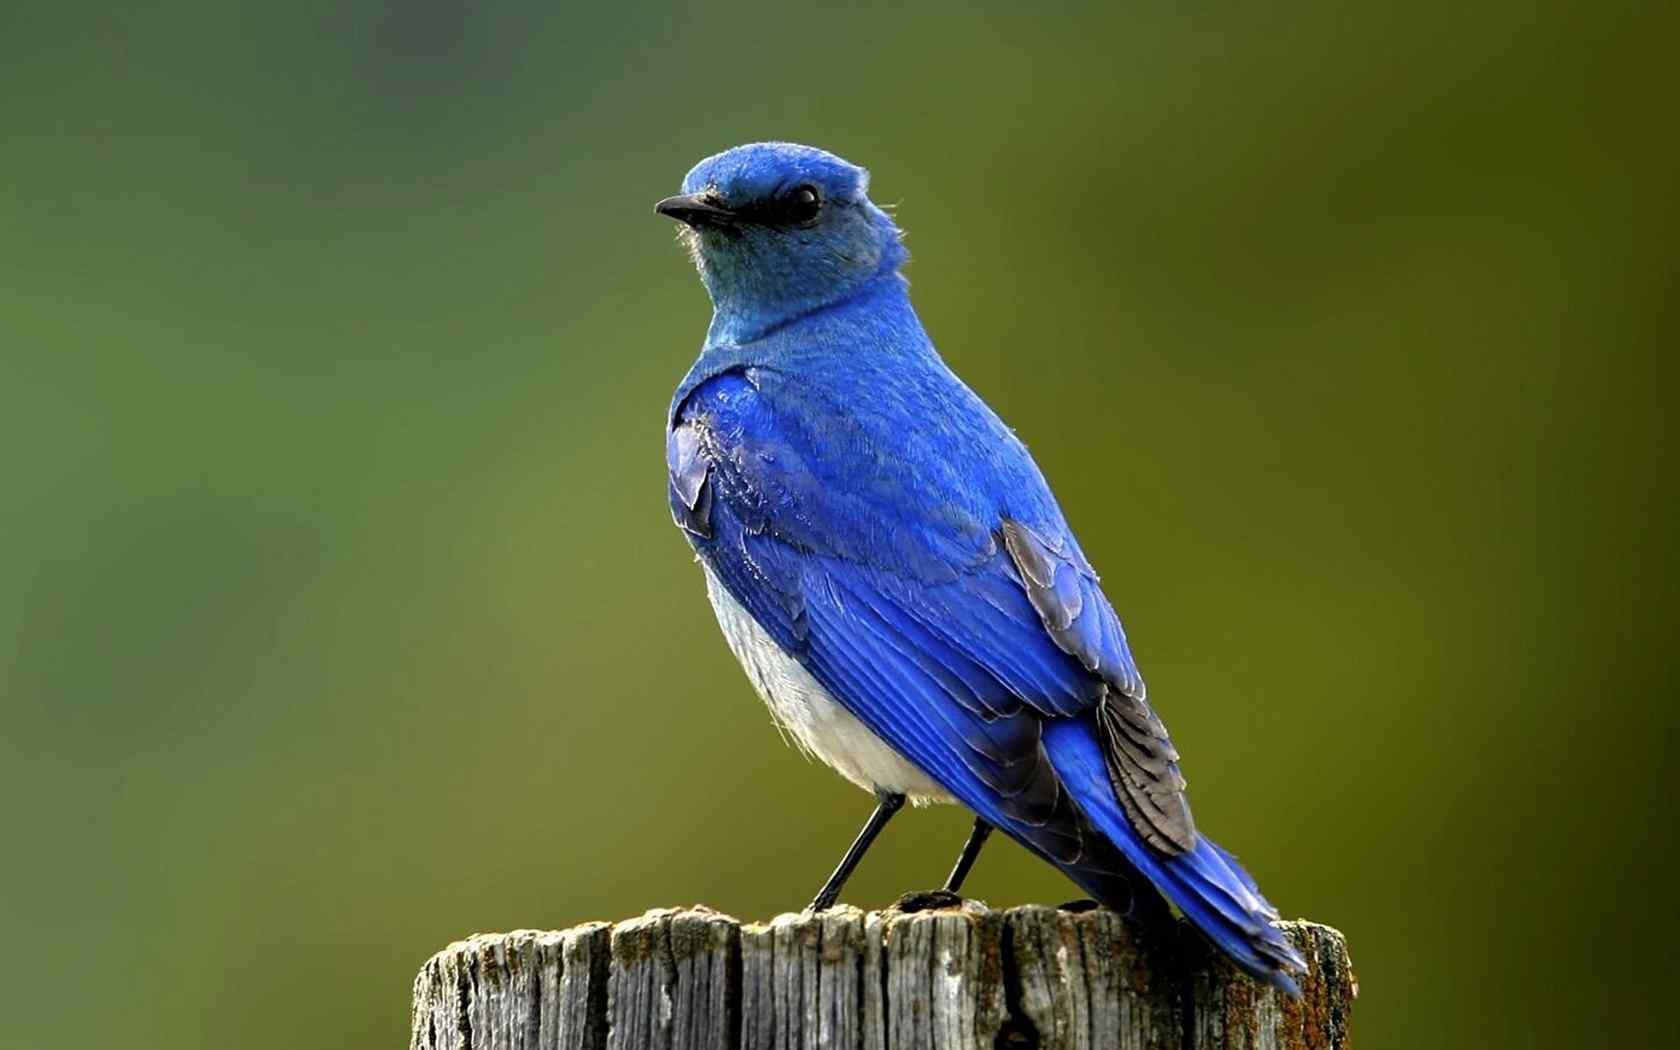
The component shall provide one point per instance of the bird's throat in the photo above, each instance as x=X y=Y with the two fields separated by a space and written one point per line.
x=737 y=321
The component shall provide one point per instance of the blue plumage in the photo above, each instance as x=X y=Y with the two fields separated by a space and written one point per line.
x=893 y=539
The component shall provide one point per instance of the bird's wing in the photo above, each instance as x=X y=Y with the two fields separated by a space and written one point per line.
x=948 y=627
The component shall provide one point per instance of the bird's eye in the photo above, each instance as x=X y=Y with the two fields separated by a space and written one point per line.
x=802 y=204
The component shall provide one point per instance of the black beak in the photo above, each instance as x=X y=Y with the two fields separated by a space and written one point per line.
x=696 y=210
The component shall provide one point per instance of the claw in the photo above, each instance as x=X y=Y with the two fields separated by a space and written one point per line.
x=1083 y=904
x=927 y=900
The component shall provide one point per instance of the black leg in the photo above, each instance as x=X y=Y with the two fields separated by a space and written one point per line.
x=884 y=809
x=970 y=853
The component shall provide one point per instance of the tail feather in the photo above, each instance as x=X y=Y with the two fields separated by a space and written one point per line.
x=1245 y=877
x=1206 y=883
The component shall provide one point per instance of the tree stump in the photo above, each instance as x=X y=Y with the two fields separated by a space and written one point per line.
x=963 y=977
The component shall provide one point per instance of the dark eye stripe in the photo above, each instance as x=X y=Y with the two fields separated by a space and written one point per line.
x=796 y=207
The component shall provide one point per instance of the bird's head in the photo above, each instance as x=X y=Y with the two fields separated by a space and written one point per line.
x=778 y=230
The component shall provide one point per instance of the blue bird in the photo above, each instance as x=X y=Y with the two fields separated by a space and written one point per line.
x=890 y=567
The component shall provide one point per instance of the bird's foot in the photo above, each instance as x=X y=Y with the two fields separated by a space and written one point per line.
x=1083 y=904
x=823 y=901
x=927 y=900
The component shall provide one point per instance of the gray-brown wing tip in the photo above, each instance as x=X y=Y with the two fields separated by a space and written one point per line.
x=1146 y=781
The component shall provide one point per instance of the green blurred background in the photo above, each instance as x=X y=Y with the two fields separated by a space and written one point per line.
x=341 y=613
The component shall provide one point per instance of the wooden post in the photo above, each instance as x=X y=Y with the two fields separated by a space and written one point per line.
x=968 y=977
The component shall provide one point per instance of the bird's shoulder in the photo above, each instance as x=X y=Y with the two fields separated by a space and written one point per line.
x=888 y=460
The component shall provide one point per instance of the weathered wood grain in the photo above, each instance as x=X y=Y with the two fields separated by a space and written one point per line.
x=1089 y=980
x=965 y=977
x=1227 y=1010
x=520 y=991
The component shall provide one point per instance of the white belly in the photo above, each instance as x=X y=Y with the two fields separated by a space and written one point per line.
x=807 y=712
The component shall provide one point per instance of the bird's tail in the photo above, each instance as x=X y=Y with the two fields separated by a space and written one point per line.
x=1206 y=883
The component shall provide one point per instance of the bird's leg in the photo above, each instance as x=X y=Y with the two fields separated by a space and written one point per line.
x=970 y=853
x=884 y=809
